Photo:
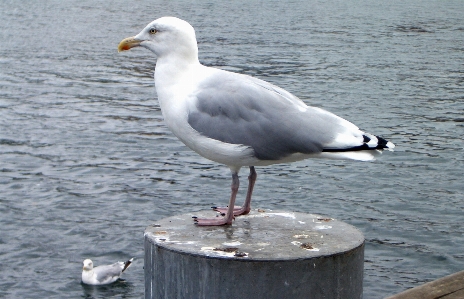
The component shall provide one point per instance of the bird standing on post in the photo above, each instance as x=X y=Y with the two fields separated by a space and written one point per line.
x=238 y=120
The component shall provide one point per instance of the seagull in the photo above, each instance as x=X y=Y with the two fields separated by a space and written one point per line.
x=239 y=120
x=104 y=274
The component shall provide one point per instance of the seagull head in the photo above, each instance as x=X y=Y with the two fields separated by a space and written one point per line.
x=88 y=265
x=165 y=36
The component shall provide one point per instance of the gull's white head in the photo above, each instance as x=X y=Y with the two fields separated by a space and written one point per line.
x=165 y=36
x=88 y=265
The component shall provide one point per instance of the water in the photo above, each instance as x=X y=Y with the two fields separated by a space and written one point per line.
x=86 y=162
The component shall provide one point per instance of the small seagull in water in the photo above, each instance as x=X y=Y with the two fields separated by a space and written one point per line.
x=238 y=120
x=104 y=274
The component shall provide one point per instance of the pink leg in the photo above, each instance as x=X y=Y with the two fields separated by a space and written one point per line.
x=245 y=209
x=227 y=220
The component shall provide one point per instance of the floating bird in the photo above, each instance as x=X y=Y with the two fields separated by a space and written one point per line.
x=238 y=120
x=104 y=274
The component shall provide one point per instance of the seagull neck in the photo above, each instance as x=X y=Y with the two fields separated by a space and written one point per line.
x=170 y=69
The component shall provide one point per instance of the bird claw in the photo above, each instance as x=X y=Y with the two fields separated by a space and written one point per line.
x=212 y=222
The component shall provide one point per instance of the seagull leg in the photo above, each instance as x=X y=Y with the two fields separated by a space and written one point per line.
x=251 y=183
x=227 y=219
x=245 y=209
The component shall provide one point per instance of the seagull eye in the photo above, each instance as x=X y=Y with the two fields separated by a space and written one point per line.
x=153 y=31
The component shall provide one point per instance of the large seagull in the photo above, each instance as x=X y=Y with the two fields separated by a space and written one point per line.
x=238 y=120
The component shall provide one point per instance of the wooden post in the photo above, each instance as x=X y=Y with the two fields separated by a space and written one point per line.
x=448 y=287
x=266 y=254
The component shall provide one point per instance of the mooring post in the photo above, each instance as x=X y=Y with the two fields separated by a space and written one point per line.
x=266 y=254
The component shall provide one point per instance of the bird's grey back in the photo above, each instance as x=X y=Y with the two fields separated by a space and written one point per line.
x=107 y=271
x=239 y=109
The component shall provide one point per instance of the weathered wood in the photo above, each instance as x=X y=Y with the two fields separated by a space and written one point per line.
x=449 y=287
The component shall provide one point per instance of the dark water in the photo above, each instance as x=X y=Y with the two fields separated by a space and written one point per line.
x=86 y=162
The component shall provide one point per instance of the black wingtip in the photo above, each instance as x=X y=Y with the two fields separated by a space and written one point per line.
x=381 y=144
x=127 y=264
x=366 y=139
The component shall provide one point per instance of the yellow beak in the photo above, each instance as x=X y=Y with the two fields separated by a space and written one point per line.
x=128 y=43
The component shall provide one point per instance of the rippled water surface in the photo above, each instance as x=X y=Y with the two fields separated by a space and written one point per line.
x=86 y=162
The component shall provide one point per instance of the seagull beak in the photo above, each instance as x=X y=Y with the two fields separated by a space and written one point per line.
x=128 y=43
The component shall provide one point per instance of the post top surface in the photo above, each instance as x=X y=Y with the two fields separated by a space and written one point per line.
x=261 y=235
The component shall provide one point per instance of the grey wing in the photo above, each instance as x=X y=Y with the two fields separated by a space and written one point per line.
x=239 y=109
x=108 y=272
